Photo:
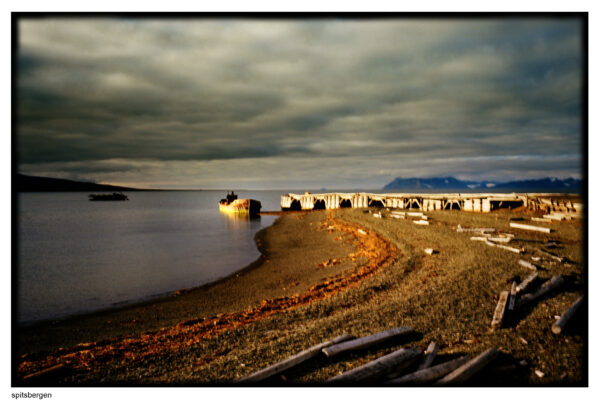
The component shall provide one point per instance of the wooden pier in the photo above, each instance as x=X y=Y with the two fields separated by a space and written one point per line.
x=480 y=202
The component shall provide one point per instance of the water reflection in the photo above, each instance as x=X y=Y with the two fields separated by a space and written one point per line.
x=235 y=221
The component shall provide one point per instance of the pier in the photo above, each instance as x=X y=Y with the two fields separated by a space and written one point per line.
x=478 y=202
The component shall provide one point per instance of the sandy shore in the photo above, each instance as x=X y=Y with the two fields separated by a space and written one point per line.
x=320 y=277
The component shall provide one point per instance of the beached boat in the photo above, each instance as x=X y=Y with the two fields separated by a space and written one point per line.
x=115 y=196
x=231 y=204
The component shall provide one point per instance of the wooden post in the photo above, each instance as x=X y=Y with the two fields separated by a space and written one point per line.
x=467 y=370
x=378 y=368
x=558 y=327
x=548 y=286
x=500 y=310
x=429 y=374
x=527 y=282
x=430 y=354
x=512 y=300
x=367 y=341
x=530 y=227
x=291 y=361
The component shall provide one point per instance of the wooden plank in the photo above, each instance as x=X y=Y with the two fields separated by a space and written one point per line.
x=554 y=217
x=559 y=326
x=500 y=310
x=547 y=254
x=367 y=341
x=541 y=241
x=548 y=286
x=378 y=368
x=541 y=219
x=484 y=239
x=527 y=265
x=430 y=354
x=499 y=239
x=421 y=222
x=512 y=299
x=467 y=370
x=292 y=361
x=527 y=282
x=429 y=374
x=482 y=230
x=530 y=227
x=504 y=247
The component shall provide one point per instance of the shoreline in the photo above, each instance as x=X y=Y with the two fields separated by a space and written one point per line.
x=248 y=288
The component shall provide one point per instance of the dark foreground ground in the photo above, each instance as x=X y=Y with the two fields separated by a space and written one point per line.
x=319 y=278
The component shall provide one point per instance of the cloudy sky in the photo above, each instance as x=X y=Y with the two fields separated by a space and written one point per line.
x=298 y=104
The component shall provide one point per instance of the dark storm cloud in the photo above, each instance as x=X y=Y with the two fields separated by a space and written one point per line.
x=206 y=90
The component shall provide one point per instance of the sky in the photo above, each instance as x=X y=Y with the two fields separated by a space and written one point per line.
x=205 y=103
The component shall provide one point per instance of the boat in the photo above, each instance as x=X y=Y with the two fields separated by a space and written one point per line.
x=115 y=196
x=231 y=204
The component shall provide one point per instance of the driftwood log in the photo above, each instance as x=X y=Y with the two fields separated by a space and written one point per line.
x=291 y=361
x=530 y=227
x=429 y=374
x=511 y=249
x=527 y=282
x=527 y=264
x=500 y=310
x=46 y=372
x=559 y=325
x=547 y=254
x=378 y=368
x=467 y=370
x=367 y=341
x=429 y=354
x=512 y=299
x=548 y=286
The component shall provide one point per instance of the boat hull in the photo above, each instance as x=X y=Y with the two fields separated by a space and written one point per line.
x=241 y=206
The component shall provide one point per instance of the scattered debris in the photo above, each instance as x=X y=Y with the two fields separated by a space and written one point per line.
x=481 y=230
x=367 y=341
x=539 y=373
x=379 y=367
x=361 y=232
x=500 y=310
x=292 y=361
x=429 y=251
x=468 y=369
x=548 y=286
x=527 y=282
x=430 y=354
x=559 y=325
x=427 y=375
x=530 y=227
x=527 y=264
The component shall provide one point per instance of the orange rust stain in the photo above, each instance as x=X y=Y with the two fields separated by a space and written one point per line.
x=375 y=248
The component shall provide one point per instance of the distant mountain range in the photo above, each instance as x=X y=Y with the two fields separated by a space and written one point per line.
x=26 y=183
x=451 y=183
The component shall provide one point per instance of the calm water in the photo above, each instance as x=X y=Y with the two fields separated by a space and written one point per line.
x=77 y=256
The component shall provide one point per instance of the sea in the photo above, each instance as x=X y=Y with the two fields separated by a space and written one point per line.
x=75 y=256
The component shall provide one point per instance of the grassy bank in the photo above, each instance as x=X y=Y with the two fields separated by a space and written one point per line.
x=448 y=297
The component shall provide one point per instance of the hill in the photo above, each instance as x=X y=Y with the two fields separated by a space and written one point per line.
x=27 y=183
x=452 y=184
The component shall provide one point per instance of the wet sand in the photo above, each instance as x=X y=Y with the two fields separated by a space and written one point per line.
x=293 y=259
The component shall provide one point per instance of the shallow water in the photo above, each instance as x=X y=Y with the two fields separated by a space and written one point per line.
x=77 y=256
